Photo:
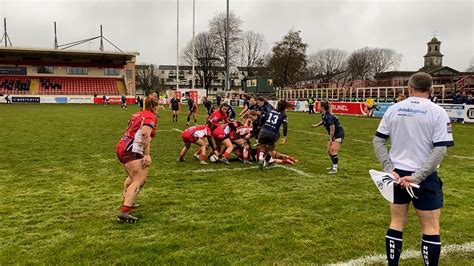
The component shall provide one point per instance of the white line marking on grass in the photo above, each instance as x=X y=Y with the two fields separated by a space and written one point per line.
x=320 y=134
x=461 y=157
x=408 y=254
x=293 y=170
x=210 y=170
x=179 y=130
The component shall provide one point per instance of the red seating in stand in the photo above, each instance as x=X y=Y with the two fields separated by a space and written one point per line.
x=69 y=85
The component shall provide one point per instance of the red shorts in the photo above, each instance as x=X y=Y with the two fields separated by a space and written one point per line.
x=123 y=155
x=219 y=135
x=188 y=137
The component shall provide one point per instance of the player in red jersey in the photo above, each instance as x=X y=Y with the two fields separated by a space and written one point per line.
x=244 y=133
x=133 y=151
x=225 y=134
x=218 y=116
x=196 y=135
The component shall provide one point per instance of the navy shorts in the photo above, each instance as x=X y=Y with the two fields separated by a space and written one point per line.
x=267 y=138
x=430 y=194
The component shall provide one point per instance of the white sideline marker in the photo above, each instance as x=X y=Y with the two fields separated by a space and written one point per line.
x=179 y=130
x=407 y=254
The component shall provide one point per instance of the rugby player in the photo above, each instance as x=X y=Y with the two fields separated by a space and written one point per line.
x=196 y=135
x=246 y=106
x=225 y=134
x=174 y=106
x=420 y=132
x=123 y=102
x=133 y=151
x=270 y=132
x=209 y=106
x=220 y=115
x=335 y=132
x=192 y=110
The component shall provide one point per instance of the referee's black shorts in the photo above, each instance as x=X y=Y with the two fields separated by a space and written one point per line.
x=429 y=196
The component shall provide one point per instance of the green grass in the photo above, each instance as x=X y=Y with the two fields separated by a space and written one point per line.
x=61 y=189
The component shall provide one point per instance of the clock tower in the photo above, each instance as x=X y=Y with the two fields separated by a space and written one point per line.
x=433 y=57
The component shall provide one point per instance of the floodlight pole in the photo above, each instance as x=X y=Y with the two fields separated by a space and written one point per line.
x=55 y=37
x=177 y=44
x=101 y=48
x=227 y=85
x=5 y=30
x=194 y=45
x=5 y=34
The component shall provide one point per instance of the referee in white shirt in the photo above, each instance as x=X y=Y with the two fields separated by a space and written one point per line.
x=420 y=132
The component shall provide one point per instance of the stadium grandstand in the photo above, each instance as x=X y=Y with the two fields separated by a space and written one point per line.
x=28 y=71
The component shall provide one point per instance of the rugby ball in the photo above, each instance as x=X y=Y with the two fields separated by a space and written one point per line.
x=213 y=158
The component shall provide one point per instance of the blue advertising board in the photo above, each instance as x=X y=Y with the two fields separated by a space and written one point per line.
x=382 y=109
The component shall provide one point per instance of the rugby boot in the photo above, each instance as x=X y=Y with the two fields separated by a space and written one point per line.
x=332 y=171
x=127 y=217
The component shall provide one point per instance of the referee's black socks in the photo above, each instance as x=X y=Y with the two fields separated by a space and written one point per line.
x=431 y=249
x=393 y=246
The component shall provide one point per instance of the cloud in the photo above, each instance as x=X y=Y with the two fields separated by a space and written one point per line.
x=149 y=27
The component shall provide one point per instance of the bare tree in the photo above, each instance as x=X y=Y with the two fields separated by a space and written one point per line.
x=253 y=51
x=359 y=64
x=327 y=64
x=206 y=58
x=367 y=62
x=217 y=28
x=147 y=78
x=384 y=59
x=471 y=66
x=288 y=62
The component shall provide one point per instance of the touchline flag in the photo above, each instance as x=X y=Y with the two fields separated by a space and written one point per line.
x=385 y=182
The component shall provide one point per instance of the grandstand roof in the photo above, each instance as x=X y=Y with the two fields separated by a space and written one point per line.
x=9 y=51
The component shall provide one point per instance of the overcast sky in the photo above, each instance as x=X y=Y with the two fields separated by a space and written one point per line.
x=149 y=26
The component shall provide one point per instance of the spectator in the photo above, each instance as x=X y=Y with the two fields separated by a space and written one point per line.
x=7 y=98
x=470 y=99
x=457 y=98
x=433 y=97
x=400 y=97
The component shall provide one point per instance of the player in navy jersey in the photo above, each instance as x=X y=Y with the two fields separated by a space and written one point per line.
x=270 y=132
x=209 y=106
x=230 y=112
x=246 y=106
x=174 y=106
x=192 y=110
x=335 y=132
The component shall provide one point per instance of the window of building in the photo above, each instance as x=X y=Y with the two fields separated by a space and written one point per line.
x=436 y=47
x=269 y=82
x=111 y=71
x=77 y=70
x=45 y=70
